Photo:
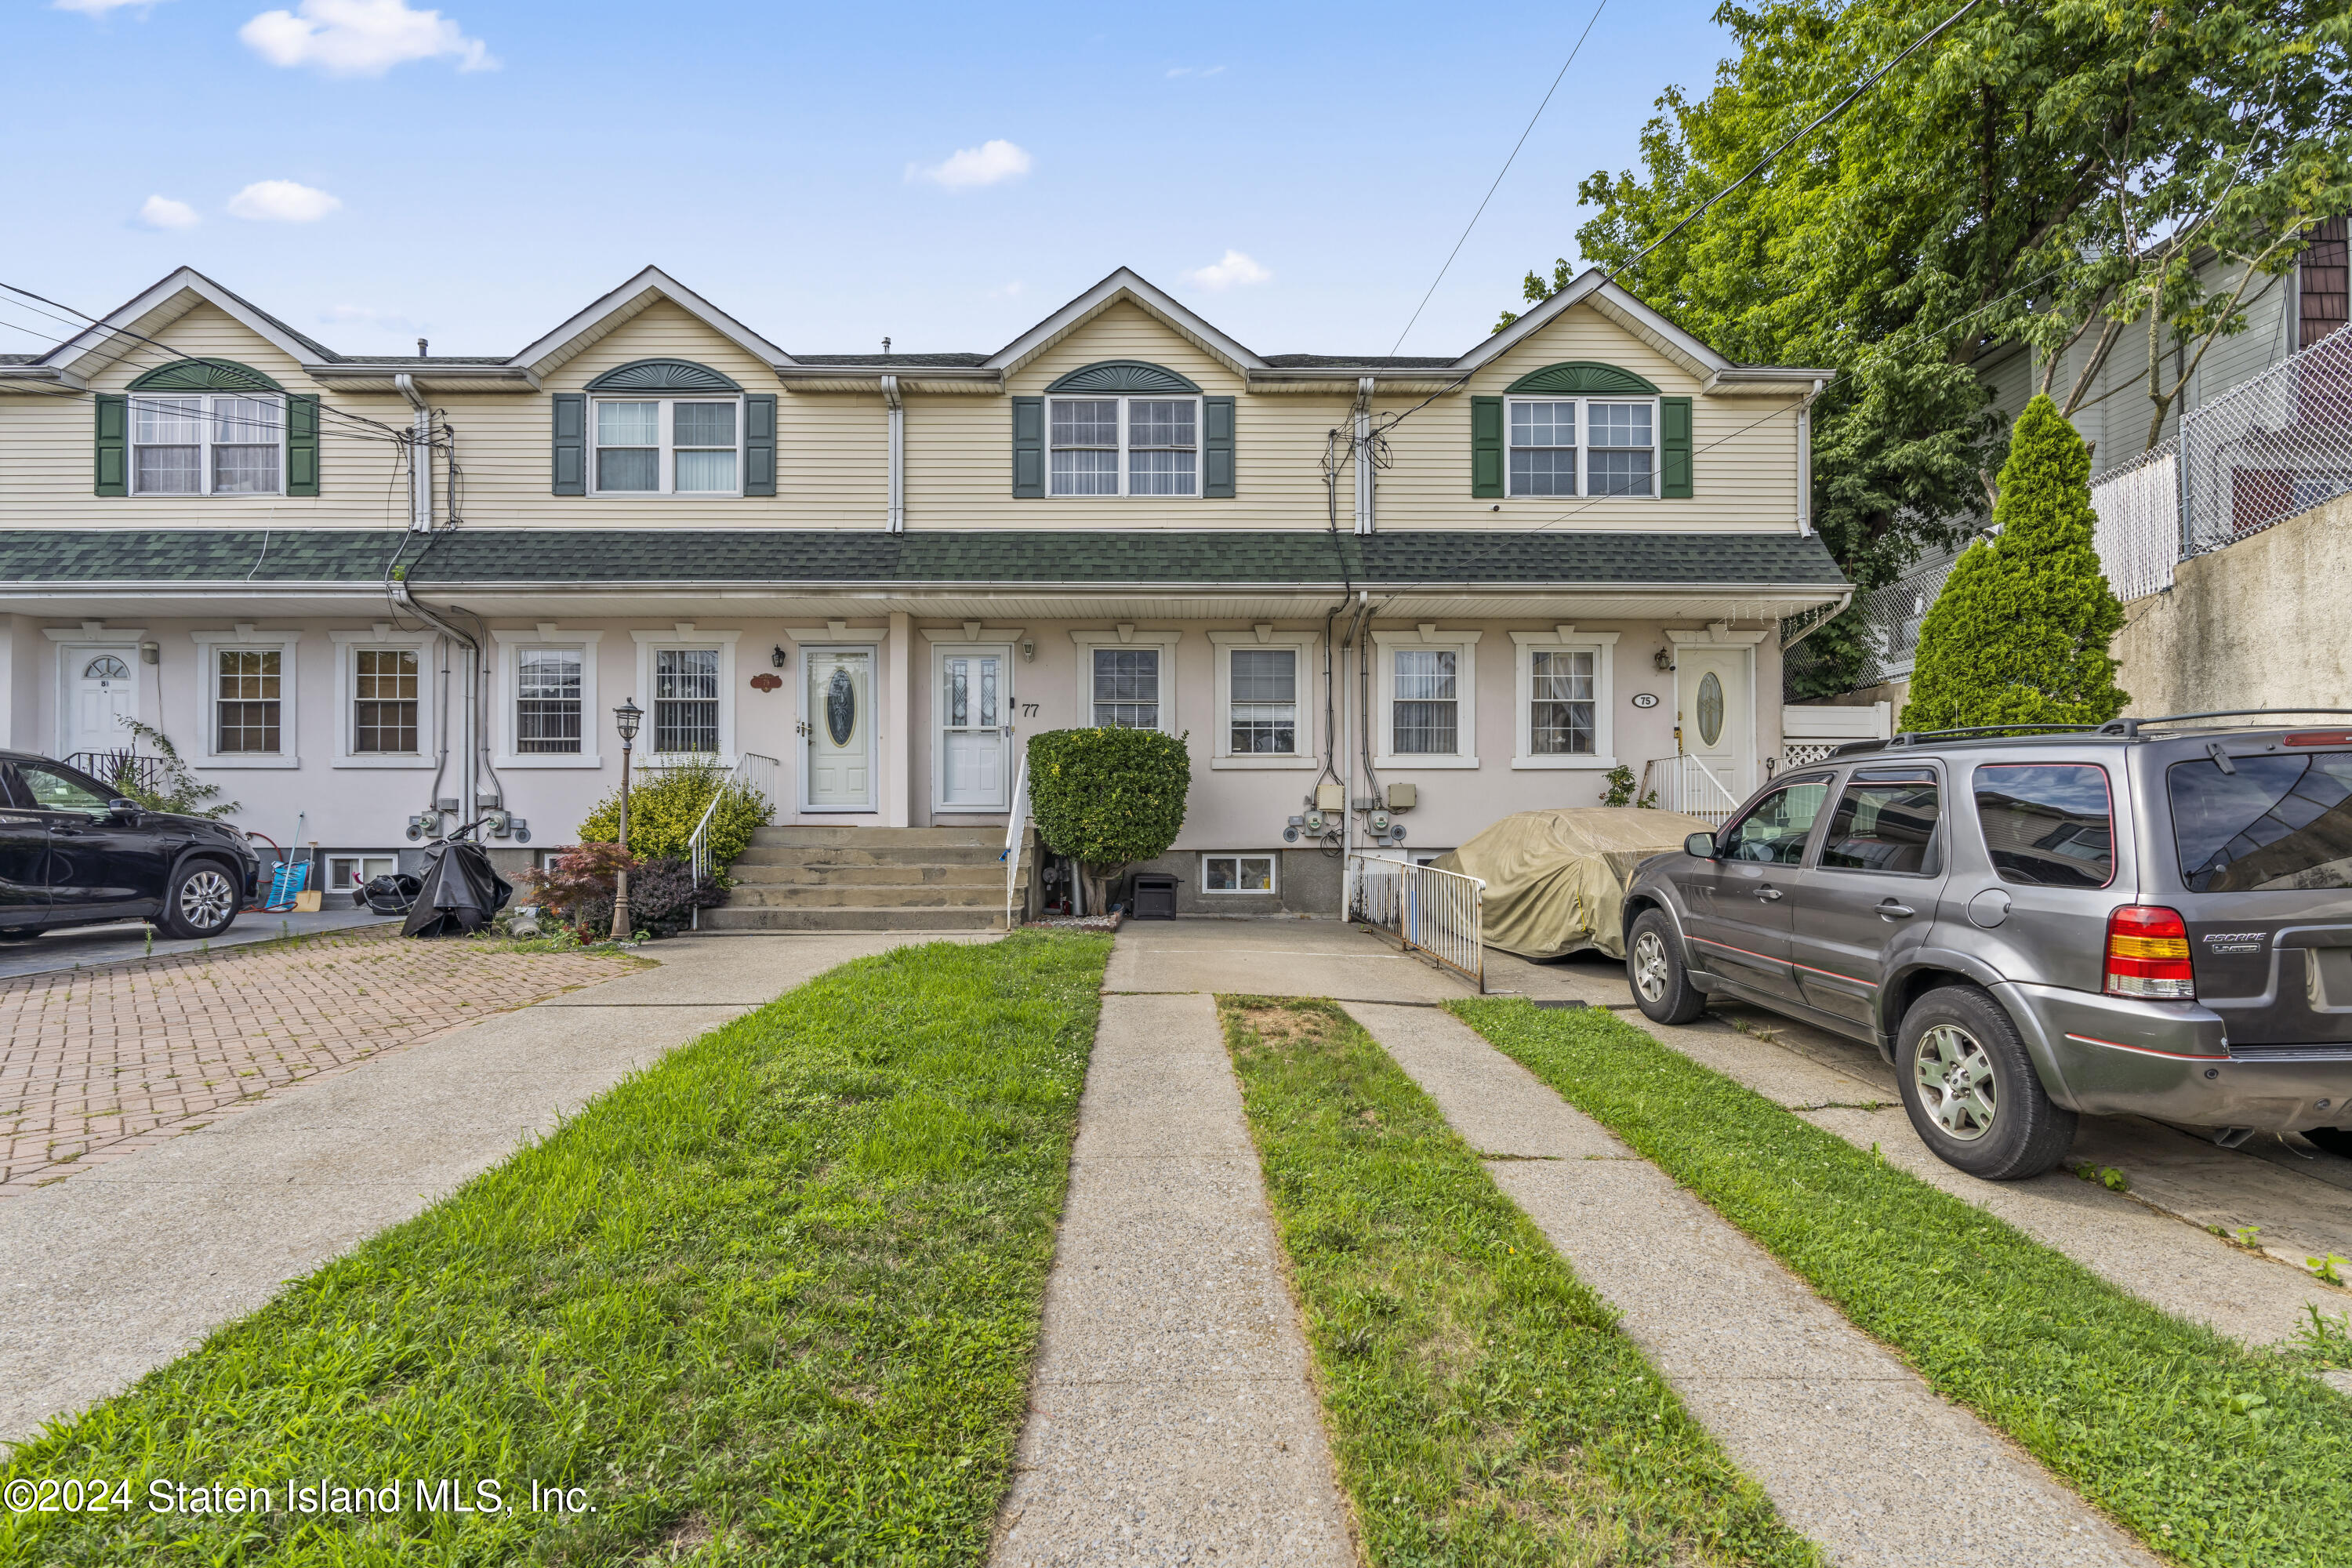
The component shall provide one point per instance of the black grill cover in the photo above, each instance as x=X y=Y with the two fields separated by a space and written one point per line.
x=461 y=891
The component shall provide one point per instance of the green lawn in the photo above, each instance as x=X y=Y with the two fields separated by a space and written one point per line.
x=1481 y=1403
x=2212 y=1452
x=775 y=1298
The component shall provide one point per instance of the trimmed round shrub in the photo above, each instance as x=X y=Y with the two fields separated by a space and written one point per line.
x=1107 y=798
x=664 y=805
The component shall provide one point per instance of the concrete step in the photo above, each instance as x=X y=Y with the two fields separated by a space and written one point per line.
x=805 y=897
x=736 y=917
x=842 y=856
x=807 y=835
x=818 y=875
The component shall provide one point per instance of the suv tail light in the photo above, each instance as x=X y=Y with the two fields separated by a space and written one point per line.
x=2147 y=954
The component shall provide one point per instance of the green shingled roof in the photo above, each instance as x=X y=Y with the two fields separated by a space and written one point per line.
x=472 y=556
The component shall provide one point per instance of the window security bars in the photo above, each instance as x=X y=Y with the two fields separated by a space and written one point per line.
x=1440 y=913
x=1126 y=687
x=686 y=701
x=548 y=701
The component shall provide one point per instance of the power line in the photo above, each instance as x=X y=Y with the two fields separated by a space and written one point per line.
x=1506 y=169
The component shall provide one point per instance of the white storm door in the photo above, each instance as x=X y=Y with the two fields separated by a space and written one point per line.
x=975 y=729
x=838 y=720
x=1712 y=692
x=100 y=693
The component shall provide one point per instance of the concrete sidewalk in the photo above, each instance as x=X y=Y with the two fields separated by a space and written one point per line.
x=117 y=1270
x=86 y=947
x=1171 y=1419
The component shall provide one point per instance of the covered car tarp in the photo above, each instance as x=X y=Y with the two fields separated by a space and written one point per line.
x=1556 y=880
x=461 y=891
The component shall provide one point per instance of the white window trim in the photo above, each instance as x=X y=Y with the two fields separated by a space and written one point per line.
x=289 y=646
x=1273 y=887
x=131 y=444
x=1008 y=712
x=347 y=645
x=687 y=636
x=666 y=462
x=1466 y=687
x=1309 y=753
x=593 y=719
x=72 y=642
x=1128 y=637
x=1584 y=402
x=1566 y=640
x=1199 y=460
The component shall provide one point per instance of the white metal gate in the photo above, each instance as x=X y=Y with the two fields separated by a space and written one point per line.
x=1440 y=913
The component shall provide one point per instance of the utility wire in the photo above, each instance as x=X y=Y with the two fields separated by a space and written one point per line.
x=1506 y=169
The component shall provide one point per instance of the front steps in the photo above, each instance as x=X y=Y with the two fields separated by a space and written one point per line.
x=869 y=878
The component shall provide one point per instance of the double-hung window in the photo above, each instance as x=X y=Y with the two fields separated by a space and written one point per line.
x=686 y=701
x=248 y=698
x=548 y=701
x=1126 y=687
x=1263 y=706
x=668 y=445
x=1124 y=445
x=1560 y=708
x=1583 y=446
x=207 y=443
x=384 y=701
x=1425 y=710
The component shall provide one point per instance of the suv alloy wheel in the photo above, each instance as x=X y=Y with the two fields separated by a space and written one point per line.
x=1971 y=1091
x=1653 y=967
x=201 y=901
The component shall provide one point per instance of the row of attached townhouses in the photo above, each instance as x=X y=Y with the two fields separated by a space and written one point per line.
x=1460 y=587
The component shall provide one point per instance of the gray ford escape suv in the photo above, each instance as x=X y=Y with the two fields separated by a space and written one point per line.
x=2150 y=917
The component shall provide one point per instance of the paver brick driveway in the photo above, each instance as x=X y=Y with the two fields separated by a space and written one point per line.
x=95 y=1063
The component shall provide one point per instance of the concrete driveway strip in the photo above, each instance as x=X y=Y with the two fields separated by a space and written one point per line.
x=1171 y=1417
x=1855 y=1450
x=117 y=1270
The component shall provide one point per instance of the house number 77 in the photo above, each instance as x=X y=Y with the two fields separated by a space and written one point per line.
x=1028 y=710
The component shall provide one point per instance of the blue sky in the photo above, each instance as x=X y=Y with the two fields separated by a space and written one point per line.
x=371 y=170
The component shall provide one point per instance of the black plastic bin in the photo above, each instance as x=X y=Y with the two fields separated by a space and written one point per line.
x=1154 y=896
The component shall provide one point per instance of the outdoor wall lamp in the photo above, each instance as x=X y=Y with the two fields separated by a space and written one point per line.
x=1664 y=658
x=1028 y=651
x=778 y=656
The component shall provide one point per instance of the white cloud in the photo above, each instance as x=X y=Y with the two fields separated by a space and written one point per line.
x=1231 y=268
x=1174 y=71
x=102 y=7
x=361 y=38
x=281 y=201
x=1008 y=291
x=985 y=164
x=162 y=212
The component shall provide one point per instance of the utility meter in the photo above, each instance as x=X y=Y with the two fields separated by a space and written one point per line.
x=1313 y=823
x=1379 y=823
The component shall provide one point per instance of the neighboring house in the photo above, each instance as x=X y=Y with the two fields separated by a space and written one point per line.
x=886 y=571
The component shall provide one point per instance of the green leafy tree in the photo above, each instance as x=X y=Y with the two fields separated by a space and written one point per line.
x=666 y=805
x=2052 y=172
x=2019 y=634
x=1107 y=798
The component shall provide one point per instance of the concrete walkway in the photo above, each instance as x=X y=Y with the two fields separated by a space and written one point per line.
x=117 y=1270
x=1171 y=1420
x=1855 y=1450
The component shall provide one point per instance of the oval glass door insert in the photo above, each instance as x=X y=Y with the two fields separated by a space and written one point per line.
x=1710 y=710
x=841 y=708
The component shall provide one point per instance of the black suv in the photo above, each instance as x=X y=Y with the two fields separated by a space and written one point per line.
x=2150 y=917
x=71 y=852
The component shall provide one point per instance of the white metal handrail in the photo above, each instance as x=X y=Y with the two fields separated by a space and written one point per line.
x=752 y=772
x=1683 y=783
x=1440 y=913
x=1016 y=823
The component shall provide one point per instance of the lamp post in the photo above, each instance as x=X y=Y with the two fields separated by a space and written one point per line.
x=625 y=719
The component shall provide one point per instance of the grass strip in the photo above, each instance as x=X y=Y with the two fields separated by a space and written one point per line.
x=1483 y=1406
x=2213 y=1452
x=773 y=1298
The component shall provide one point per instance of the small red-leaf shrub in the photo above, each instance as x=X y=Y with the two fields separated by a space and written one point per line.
x=578 y=889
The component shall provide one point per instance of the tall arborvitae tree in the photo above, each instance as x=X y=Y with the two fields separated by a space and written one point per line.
x=2019 y=634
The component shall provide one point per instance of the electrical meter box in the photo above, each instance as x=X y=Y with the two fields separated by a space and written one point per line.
x=1331 y=797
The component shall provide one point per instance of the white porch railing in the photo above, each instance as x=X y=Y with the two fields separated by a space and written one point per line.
x=1684 y=783
x=1016 y=822
x=1440 y=913
x=751 y=771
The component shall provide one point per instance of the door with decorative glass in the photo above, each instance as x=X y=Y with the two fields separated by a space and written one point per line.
x=838 y=724
x=975 y=708
x=100 y=693
x=1715 y=706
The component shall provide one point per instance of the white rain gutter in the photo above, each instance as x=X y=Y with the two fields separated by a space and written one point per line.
x=1805 y=462
x=1365 y=518
x=897 y=407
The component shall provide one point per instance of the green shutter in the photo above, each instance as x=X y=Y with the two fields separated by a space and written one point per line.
x=1674 y=448
x=1217 y=447
x=1028 y=448
x=1487 y=446
x=570 y=444
x=759 y=445
x=113 y=446
x=302 y=444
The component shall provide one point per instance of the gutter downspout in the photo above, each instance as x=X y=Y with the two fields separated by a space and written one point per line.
x=897 y=407
x=1805 y=462
x=1364 y=466
x=420 y=458
x=420 y=521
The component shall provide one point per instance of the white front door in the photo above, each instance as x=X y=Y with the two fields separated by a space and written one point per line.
x=100 y=693
x=838 y=720
x=975 y=712
x=1715 y=701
